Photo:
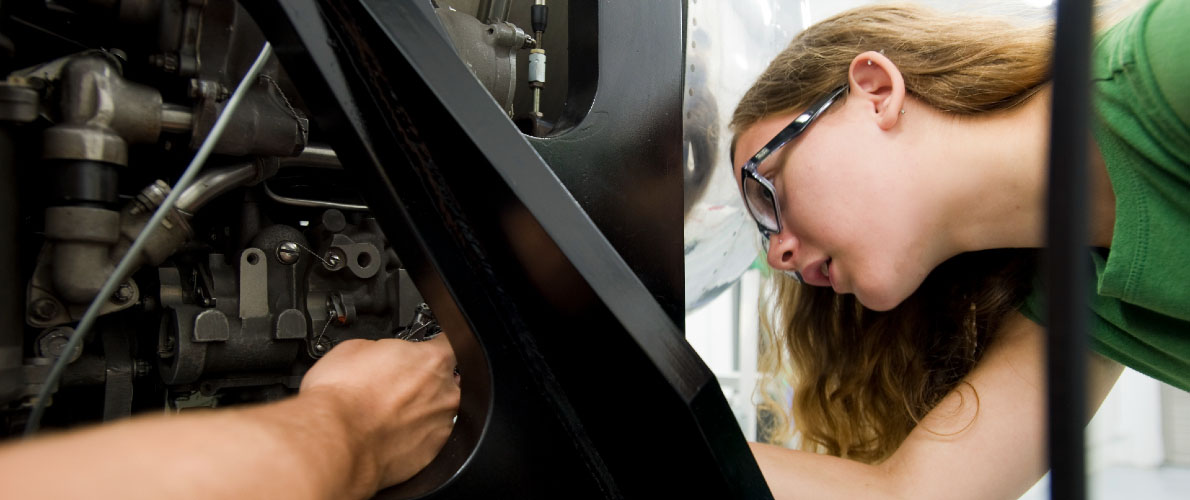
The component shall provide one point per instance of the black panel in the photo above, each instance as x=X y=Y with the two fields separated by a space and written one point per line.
x=576 y=381
x=620 y=157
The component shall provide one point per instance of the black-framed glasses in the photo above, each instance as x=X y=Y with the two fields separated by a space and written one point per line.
x=759 y=195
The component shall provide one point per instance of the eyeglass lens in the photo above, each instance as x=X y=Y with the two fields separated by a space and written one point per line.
x=760 y=203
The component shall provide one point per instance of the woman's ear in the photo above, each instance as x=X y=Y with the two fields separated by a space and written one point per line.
x=878 y=85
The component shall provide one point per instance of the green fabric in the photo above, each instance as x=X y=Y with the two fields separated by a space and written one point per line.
x=1141 y=98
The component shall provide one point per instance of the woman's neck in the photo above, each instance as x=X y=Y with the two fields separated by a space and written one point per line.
x=997 y=170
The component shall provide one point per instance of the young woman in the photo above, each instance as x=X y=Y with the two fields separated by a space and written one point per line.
x=895 y=160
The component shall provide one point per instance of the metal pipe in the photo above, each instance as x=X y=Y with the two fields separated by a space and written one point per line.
x=218 y=181
x=302 y=202
x=314 y=155
x=1068 y=261
x=176 y=119
x=214 y=183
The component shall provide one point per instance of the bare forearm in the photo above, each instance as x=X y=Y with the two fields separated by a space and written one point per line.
x=370 y=414
x=796 y=474
x=297 y=448
x=984 y=440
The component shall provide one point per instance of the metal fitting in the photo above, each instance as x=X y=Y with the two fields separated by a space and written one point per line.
x=82 y=239
x=207 y=89
x=124 y=293
x=18 y=101
x=321 y=346
x=536 y=66
x=52 y=343
x=264 y=124
x=288 y=252
x=44 y=309
x=165 y=240
x=165 y=62
x=333 y=260
x=101 y=114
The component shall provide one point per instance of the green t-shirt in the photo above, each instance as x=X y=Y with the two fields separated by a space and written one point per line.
x=1141 y=98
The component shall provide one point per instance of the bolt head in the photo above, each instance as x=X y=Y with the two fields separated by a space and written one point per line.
x=123 y=293
x=334 y=260
x=45 y=309
x=52 y=343
x=288 y=252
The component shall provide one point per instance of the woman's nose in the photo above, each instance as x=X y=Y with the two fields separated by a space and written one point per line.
x=782 y=251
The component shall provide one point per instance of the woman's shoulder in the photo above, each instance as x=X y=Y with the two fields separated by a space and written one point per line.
x=1166 y=39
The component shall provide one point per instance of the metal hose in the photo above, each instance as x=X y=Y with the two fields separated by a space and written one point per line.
x=214 y=183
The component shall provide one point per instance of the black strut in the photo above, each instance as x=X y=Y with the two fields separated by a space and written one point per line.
x=1067 y=255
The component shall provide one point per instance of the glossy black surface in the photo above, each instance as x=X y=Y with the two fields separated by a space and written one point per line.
x=620 y=153
x=576 y=381
x=1066 y=258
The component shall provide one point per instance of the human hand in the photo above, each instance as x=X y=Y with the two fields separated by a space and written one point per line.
x=398 y=400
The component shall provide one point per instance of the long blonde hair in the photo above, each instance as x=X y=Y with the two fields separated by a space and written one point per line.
x=863 y=379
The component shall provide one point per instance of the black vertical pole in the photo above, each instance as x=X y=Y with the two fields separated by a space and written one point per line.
x=1068 y=258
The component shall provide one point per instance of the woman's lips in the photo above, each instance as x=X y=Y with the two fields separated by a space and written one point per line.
x=818 y=273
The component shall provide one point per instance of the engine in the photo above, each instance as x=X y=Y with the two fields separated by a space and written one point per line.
x=269 y=257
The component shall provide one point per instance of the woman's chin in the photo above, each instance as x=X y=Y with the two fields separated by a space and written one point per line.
x=879 y=302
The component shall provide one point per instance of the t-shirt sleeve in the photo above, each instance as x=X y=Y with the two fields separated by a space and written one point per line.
x=1167 y=36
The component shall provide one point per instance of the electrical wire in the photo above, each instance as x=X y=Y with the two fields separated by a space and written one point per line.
x=125 y=265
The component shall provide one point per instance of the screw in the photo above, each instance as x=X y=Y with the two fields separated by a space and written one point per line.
x=288 y=252
x=334 y=260
x=45 y=309
x=123 y=294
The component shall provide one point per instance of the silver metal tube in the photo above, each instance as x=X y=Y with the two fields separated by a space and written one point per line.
x=315 y=155
x=214 y=183
x=496 y=11
x=302 y=202
x=175 y=118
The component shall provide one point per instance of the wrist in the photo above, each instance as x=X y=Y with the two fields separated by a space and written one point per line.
x=350 y=469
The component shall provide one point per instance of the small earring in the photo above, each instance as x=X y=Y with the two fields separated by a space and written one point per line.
x=902 y=111
x=780 y=240
x=869 y=62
